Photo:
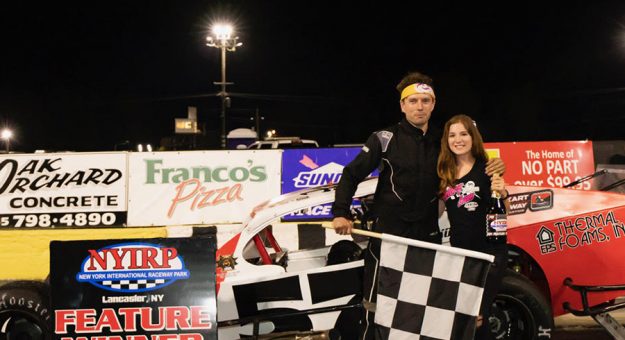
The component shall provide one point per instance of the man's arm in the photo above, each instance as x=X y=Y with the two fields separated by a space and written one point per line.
x=357 y=170
x=495 y=166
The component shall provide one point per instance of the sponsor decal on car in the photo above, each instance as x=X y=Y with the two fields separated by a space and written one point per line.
x=581 y=231
x=534 y=200
x=546 y=240
x=226 y=262
x=541 y=200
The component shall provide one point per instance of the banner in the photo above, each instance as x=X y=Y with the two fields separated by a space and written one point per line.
x=200 y=187
x=308 y=168
x=62 y=190
x=137 y=289
x=549 y=164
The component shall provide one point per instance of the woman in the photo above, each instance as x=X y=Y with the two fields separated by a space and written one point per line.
x=466 y=190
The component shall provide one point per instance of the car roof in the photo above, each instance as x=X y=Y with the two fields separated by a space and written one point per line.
x=281 y=142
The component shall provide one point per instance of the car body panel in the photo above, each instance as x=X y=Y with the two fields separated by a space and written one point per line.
x=581 y=237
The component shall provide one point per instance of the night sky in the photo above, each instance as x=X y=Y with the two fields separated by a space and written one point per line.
x=88 y=76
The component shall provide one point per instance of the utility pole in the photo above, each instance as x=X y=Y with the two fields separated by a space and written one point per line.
x=257 y=119
x=223 y=40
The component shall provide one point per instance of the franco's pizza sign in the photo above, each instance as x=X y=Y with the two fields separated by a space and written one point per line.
x=200 y=187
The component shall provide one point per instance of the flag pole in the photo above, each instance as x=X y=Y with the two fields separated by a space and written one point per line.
x=357 y=231
x=417 y=243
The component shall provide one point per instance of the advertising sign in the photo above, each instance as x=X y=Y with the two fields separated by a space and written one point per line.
x=308 y=168
x=550 y=164
x=137 y=289
x=62 y=190
x=200 y=187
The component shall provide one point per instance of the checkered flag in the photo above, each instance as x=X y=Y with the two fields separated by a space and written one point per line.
x=428 y=291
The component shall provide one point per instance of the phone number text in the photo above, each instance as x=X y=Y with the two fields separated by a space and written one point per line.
x=60 y=220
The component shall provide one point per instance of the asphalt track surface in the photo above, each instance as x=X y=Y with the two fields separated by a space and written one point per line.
x=581 y=334
x=569 y=327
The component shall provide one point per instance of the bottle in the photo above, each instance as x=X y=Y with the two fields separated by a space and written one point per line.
x=496 y=220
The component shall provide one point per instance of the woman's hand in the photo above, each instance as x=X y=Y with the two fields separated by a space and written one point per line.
x=497 y=184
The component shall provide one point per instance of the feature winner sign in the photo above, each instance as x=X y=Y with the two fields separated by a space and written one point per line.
x=62 y=190
x=157 y=289
x=546 y=164
x=200 y=187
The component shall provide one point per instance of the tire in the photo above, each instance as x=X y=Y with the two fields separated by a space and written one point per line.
x=520 y=310
x=348 y=323
x=25 y=313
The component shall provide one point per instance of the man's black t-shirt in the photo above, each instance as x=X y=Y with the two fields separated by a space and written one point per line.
x=467 y=203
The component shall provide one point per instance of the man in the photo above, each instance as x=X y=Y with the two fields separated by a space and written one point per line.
x=406 y=197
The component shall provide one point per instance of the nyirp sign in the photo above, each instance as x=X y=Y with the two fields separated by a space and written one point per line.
x=309 y=168
x=156 y=289
x=132 y=267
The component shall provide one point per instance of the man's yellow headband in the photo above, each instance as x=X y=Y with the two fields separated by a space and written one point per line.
x=417 y=88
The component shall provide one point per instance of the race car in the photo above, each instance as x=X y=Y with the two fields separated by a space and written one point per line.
x=558 y=240
x=256 y=277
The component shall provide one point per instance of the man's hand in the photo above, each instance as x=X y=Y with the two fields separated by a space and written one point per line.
x=342 y=226
x=495 y=166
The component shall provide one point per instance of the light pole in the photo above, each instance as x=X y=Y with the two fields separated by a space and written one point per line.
x=6 y=135
x=222 y=38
